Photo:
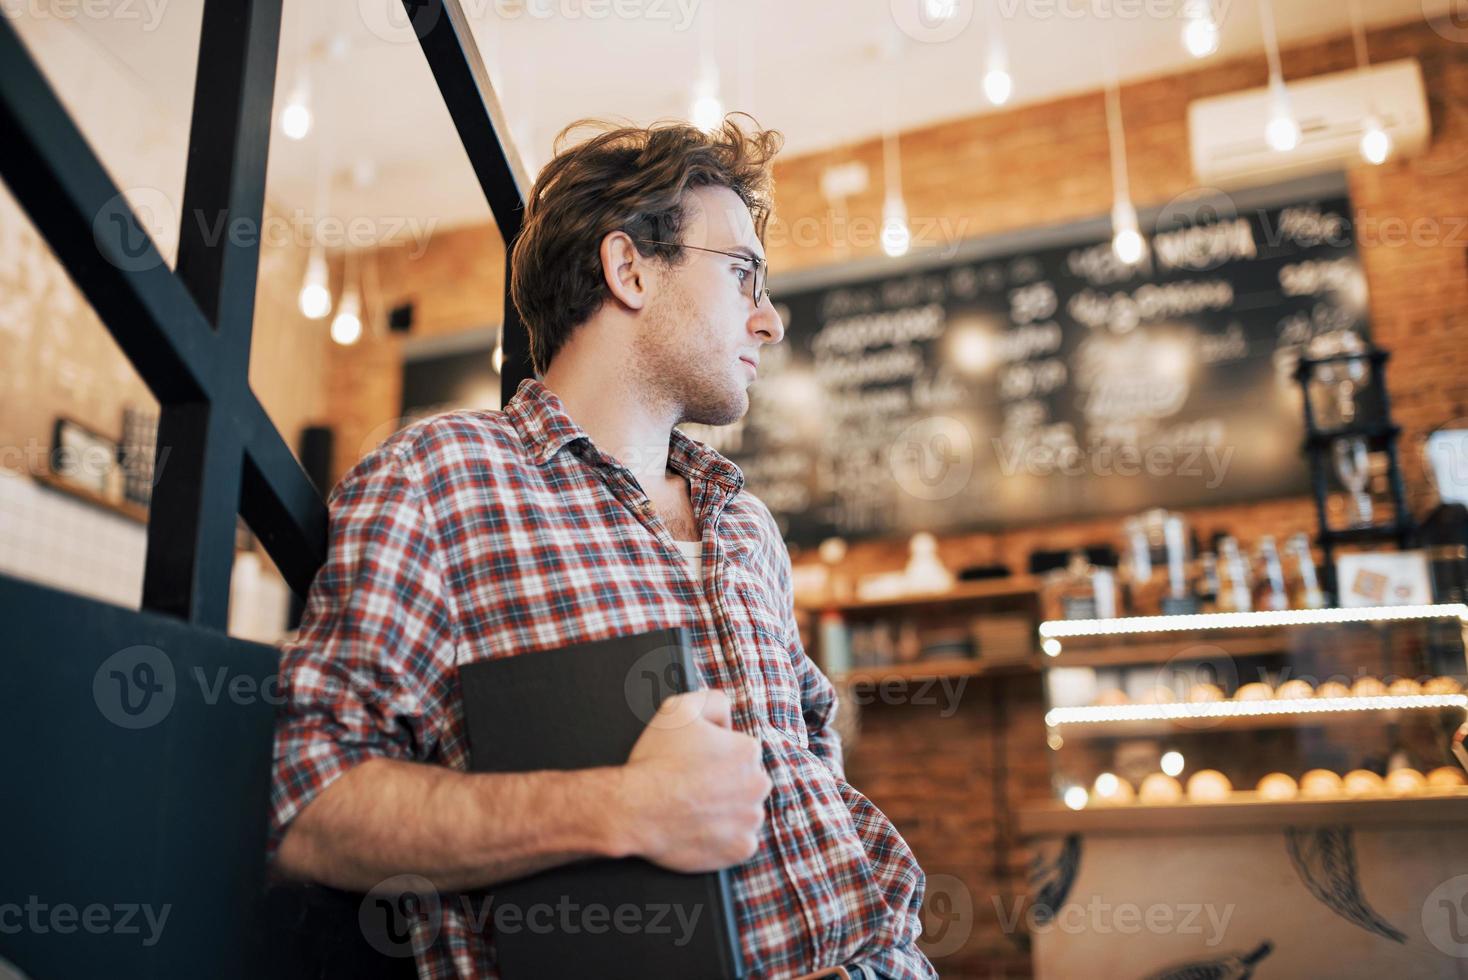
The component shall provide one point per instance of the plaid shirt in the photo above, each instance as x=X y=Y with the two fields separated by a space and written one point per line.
x=479 y=534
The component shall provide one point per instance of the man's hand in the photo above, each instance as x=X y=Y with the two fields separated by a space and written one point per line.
x=694 y=788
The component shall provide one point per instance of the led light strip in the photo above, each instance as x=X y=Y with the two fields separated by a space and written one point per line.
x=1241 y=709
x=1061 y=628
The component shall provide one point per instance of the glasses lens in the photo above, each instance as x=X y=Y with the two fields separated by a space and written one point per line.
x=759 y=283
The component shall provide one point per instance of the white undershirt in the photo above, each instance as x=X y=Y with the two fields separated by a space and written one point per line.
x=693 y=551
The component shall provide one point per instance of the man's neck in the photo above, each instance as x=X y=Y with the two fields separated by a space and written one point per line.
x=618 y=417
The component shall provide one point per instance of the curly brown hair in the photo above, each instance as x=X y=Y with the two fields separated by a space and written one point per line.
x=624 y=178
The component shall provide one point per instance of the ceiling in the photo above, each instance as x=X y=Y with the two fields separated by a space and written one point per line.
x=814 y=69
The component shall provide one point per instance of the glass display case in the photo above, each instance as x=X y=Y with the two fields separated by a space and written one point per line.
x=1257 y=708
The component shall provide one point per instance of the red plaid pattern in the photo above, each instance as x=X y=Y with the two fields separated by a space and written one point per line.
x=491 y=533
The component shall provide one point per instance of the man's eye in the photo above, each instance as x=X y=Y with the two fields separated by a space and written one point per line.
x=743 y=272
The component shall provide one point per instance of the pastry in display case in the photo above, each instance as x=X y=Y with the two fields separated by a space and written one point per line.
x=1269 y=706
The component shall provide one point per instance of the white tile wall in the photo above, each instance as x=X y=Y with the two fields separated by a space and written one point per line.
x=57 y=541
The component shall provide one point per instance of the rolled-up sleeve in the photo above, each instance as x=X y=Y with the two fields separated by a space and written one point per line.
x=370 y=672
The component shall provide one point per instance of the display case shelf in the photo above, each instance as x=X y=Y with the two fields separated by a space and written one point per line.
x=1244 y=811
x=1121 y=721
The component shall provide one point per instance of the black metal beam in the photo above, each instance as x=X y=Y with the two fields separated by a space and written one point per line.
x=90 y=226
x=448 y=44
x=111 y=258
x=191 y=554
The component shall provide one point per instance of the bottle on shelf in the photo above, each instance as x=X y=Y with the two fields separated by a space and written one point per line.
x=835 y=643
x=1179 y=599
x=1308 y=594
x=1080 y=590
x=1234 y=594
x=1143 y=591
x=1207 y=587
x=1270 y=591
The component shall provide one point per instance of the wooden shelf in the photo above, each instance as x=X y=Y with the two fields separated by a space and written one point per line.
x=928 y=669
x=1105 y=651
x=1245 y=813
x=1168 y=727
x=1017 y=587
x=123 y=508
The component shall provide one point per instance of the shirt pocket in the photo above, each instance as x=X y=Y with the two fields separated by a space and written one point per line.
x=763 y=639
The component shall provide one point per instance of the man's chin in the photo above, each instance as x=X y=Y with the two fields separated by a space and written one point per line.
x=726 y=412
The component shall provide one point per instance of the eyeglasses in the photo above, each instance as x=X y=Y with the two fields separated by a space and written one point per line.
x=760 y=288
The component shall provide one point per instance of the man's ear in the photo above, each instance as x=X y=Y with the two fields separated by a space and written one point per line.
x=627 y=273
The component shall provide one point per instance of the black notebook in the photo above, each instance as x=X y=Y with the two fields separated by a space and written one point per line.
x=579 y=707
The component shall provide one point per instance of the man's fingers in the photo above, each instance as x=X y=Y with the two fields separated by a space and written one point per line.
x=678 y=710
x=715 y=707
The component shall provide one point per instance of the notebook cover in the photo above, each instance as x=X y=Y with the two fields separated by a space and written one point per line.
x=579 y=707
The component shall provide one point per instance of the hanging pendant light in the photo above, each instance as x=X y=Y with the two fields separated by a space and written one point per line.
x=1200 y=33
x=896 y=237
x=1282 y=131
x=707 y=111
x=314 y=298
x=998 y=85
x=1376 y=142
x=1127 y=242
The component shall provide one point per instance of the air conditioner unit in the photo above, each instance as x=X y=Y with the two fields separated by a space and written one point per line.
x=1226 y=132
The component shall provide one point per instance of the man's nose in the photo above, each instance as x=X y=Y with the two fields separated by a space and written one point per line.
x=767 y=323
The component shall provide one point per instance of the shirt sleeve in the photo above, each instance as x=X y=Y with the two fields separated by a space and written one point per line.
x=370 y=672
x=818 y=701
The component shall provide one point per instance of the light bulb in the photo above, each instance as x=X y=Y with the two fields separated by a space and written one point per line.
x=346 y=329
x=998 y=86
x=895 y=235
x=1282 y=133
x=295 y=118
x=1126 y=241
x=1200 y=37
x=346 y=326
x=1172 y=763
x=315 y=298
x=1076 y=797
x=1376 y=145
x=708 y=112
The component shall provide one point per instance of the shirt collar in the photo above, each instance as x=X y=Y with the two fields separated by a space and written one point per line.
x=541 y=417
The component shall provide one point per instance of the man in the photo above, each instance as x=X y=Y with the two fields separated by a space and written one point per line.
x=577 y=513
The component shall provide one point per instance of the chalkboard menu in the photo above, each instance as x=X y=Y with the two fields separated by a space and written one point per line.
x=1053 y=382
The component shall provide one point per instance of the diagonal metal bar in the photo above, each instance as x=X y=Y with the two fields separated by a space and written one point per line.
x=95 y=234
x=190 y=556
x=448 y=44
x=77 y=208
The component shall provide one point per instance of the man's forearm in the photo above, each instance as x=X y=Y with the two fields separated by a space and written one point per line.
x=459 y=830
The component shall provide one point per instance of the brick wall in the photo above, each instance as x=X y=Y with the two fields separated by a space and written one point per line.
x=1037 y=165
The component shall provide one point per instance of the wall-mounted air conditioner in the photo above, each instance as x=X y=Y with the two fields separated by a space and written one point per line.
x=1227 y=131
